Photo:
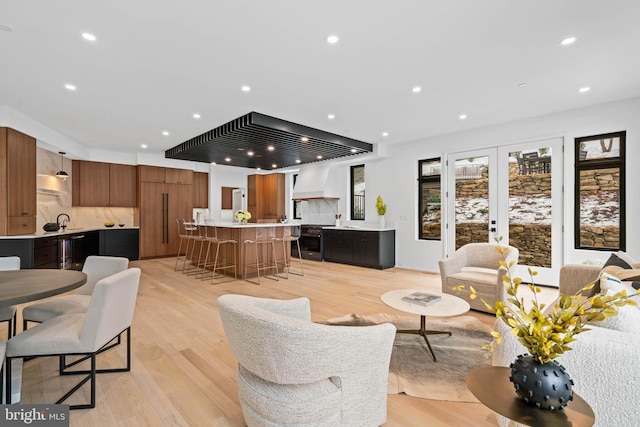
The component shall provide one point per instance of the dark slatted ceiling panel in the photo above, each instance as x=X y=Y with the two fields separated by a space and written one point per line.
x=255 y=132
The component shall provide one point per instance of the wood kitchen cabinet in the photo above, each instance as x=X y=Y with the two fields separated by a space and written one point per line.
x=201 y=190
x=266 y=196
x=159 y=205
x=17 y=183
x=103 y=184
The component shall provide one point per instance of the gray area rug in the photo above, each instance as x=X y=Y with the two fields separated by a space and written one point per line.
x=412 y=370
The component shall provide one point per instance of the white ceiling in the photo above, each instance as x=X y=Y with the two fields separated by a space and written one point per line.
x=156 y=62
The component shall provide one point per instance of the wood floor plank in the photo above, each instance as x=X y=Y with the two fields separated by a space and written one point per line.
x=183 y=371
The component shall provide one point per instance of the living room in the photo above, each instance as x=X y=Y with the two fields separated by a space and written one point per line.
x=184 y=371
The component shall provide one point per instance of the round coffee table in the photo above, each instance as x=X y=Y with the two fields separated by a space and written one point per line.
x=447 y=306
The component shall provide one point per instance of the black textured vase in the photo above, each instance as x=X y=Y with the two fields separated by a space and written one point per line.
x=543 y=385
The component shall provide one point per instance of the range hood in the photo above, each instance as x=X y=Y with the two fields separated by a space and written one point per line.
x=311 y=184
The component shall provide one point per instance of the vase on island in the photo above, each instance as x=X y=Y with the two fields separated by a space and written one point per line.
x=243 y=221
x=383 y=223
x=542 y=385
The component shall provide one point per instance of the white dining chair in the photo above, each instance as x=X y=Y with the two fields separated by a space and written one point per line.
x=8 y=313
x=96 y=268
x=109 y=315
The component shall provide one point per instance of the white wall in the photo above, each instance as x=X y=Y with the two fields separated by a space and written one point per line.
x=395 y=176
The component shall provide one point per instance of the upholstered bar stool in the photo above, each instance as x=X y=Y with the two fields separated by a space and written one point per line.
x=220 y=261
x=264 y=251
x=289 y=235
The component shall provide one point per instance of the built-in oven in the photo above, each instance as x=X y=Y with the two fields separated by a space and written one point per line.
x=310 y=242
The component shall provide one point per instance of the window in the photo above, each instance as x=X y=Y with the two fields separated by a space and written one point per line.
x=429 y=199
x=297 y=204
x=600 y=192
x=357 y=192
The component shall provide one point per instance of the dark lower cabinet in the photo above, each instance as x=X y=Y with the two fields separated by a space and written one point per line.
x=120 y=242
x=375 y=249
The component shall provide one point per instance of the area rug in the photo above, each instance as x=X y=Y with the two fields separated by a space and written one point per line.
x=412 y=370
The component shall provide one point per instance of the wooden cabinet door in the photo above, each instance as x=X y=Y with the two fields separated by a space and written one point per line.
x=201 y=191
x=21 y=175
x=122 y=185
x=178 y=176
x=254 y=192
x=151 y=174
x=94 y=183
x=153 y=233
x=180 y=206
x=274 y=196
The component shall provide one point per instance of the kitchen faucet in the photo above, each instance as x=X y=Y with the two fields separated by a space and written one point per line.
x=64 y=221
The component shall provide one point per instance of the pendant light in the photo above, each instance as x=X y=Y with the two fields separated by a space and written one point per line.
x=61 y=174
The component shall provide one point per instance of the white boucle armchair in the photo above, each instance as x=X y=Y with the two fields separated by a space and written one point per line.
x=477 y=265
x=602 y=363
x=294 y=372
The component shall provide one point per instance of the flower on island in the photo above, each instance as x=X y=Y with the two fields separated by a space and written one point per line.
x=242 y=216
x=547 y=334
x=381 y=207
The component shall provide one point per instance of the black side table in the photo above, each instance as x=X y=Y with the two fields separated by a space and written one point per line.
x=491 y=386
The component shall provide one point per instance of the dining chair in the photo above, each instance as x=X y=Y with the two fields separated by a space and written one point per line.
x=9 y=313
x=109 y=315
x=96 y=268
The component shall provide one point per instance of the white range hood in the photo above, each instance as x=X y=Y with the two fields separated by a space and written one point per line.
x=311 y=184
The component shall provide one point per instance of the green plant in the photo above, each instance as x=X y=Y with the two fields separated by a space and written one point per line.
x=548 y=335
x=381 y=207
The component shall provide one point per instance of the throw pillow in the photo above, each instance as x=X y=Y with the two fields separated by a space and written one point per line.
x=627 y=320
x=616 y=261
x=626 y=258
x=611 y=284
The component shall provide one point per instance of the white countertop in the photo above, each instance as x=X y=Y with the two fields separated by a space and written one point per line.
x=356 y=228
x=43 y=233
x=255 y=225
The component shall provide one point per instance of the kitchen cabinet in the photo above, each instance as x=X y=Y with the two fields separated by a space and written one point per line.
x=266 y=196
x=17 y=183
x=201 y=190
x=103 y=184
x=124 y=242
x=160 y=204
x=374 y=249
x=178 y=176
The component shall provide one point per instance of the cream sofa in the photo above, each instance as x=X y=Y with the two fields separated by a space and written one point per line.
x=602 y=363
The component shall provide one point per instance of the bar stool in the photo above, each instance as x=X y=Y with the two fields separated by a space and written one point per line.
x=213 y=239
x=289 y=235
x=183 y=236
x=263 y=244
x=198 y=237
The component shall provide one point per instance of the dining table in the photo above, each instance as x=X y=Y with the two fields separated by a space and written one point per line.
x=20 y=286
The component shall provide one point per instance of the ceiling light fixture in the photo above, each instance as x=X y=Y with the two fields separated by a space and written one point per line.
x=89 y=37
x=298 y=161
x=165 y=133
x=331 y=116
x=274 y=166
x=227 y=159
x=250 y=153
x=462 y=116
x=70 y=87
x=246 y=88
x=61 y=174
x=332 y=39
x=304 y=139
x=353 y=150
x=319 y=157
x=270 y=148
x=196 y=115
x=416 y=89
x=568 y=41
x=385 y=134
x=143 y=146
x=584 y=89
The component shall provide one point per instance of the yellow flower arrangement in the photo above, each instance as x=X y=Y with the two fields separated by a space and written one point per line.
x=242 y=216
x=548 y=335
x=381 y=207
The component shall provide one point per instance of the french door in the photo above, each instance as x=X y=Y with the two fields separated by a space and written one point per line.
x=513 y=192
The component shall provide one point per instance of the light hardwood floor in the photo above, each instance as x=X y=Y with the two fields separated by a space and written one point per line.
x=183 y=371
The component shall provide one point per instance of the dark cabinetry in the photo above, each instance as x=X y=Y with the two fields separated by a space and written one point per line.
x=45 y=252
x=374 y=249
x=124 y=242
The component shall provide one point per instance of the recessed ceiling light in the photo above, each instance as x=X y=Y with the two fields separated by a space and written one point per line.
x=462 y=116
x=274 y=166
x=69 y=87
x=249 y=153
x=331 y=116
x=143 y=146
x=353 y=150
x=5 y=28
x=213 y=163
x=385 y=133
x=246 y=88
x=332 y=39
x=416 y=89
x=258 y=169
x=89 y=37
x=298 y=161
x=165 y=133
x=319 y=157
x=568 y=41
x=270 y=148
x=227 y=159
x=584 y=89
x=304 y=139
x=196 y=116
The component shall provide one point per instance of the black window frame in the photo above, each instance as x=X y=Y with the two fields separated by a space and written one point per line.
x=595 y=164
x=297 y=204
x=355 y=201
x=429 y=179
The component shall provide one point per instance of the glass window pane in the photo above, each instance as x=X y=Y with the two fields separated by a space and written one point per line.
x=429 y=200
x=357 y=192
x=472 y=200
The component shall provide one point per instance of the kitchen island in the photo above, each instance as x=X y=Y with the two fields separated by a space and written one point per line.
x=242 y=232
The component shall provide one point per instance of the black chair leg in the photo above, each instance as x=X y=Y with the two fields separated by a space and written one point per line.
x=7 y=367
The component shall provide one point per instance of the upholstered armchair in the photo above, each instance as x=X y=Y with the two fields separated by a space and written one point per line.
x=477 y=265
x=292 y=371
